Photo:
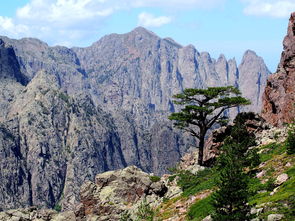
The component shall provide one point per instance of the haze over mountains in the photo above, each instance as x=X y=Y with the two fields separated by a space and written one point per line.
x=69 y=114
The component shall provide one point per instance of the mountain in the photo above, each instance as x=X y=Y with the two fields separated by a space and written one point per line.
x=69 y=114
x=279 y=95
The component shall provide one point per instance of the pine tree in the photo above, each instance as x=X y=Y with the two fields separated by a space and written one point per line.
x=230 y=200
x=203 y=108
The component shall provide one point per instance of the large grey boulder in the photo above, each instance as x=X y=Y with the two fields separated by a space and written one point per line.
x=116 y=192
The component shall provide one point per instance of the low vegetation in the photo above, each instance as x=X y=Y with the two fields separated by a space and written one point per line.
x=155 y=178
x=264 y=194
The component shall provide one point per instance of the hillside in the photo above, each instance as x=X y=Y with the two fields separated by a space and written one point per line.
x=69 y=114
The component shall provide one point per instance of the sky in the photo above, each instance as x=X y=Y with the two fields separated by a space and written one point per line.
x=229 y=27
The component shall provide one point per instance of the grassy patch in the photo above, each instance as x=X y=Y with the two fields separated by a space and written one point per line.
x=167 y=208
x=283 y=200
x=154 y=178
x=192 y=184
x=275 y=161
x=274 y=149
x=201 y=209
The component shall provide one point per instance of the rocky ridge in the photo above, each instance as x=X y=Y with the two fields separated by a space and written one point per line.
x=120 y=193
x=69 y=114
x=279 y=95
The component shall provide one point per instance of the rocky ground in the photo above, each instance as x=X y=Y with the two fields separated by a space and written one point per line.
x=120 y=193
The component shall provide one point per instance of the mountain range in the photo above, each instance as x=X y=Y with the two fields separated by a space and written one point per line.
x=68 y=114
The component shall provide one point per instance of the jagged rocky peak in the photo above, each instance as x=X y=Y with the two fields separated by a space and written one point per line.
x=279 y=95
x=289 y=41
x=253 y=73
x=142 y=31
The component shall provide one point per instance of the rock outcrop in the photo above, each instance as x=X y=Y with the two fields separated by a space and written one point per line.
x=69 y=114
x=116 y=192
x=279 y=95
x=35 y=214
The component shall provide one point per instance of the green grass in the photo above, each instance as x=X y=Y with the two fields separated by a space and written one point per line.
x=274 y=149
x=192 y=184
x=201 y=209
x=282 y=202
x=155 y=179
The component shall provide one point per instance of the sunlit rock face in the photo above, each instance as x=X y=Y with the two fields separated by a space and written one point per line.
x=279 y=96
x=69 y=114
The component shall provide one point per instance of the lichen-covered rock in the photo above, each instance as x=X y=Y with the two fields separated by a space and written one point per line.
x=279 y=94
x=115 y=192
x=275 y=217
x=28 y=214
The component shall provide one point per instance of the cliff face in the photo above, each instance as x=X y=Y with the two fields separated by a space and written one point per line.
x=68 y=114
x=279 y=95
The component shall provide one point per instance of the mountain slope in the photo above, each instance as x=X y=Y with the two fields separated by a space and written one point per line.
x=73 y=113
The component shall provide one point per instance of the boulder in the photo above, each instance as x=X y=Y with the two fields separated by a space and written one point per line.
x=274 y=217
x=281 y=179
x=115 y=192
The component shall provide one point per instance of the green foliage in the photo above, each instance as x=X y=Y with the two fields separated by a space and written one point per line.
x=191 y=184
x=201 y=209
x=290 y=142
x=273 y=149
x=64 y=97
x=126 y=216
x=230 y=200
x=57 y=208
x=255 y=185
x=203 y=108
x=171 y=178
x=283 y=200
x=145 y=212
x=155 y=178
x=187 y=180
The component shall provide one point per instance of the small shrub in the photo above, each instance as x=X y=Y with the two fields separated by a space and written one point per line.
x=187 y=180
x=171 y=178
x=57 y=208
x=165 y=200
x=290 y=142
x=145 y=212
x=125 y=216
x=64 y=97
x=172 y=170
x=269 y=185
x=155 y=179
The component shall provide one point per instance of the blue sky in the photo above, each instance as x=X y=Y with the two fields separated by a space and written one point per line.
x=217 y=26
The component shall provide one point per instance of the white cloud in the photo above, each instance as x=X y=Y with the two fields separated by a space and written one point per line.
x=149 y=20
x=177 y=3
x=7 y=27
x=73 y=20
x=272 y=8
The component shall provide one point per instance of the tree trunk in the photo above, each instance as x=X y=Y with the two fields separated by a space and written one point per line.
x=201 y=150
